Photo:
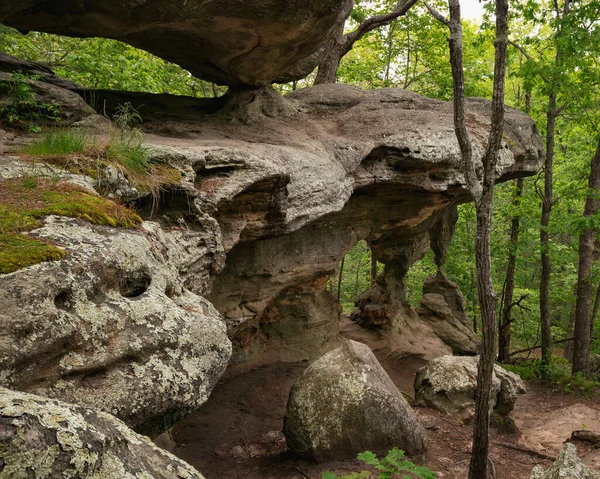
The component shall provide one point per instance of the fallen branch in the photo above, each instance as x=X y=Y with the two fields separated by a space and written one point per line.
x=525 y=450
x=559 y=341
x=587 y=436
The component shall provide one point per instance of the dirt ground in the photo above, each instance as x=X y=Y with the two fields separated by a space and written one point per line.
x=237 y=433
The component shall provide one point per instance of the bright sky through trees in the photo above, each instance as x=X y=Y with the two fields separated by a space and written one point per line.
x=472 y=9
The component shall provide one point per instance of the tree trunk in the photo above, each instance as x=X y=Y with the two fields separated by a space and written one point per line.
x=595 y=310
x=509 y=288
x=373 y=267
x=583 y=306
x=328 y=67
x=545 y=237
x=339 y=291
x=483 y=194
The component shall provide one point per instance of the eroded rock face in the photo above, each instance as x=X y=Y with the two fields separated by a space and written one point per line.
x=345 y=403
x=448 y=384
x=111 y=326
x=227 y=42
x=567 y=466
x=42 y=437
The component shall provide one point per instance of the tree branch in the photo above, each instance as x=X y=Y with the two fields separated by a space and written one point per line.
x=378 y=21
x=437 y=15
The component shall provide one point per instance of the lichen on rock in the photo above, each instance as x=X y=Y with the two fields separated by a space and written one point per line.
x=46 y=438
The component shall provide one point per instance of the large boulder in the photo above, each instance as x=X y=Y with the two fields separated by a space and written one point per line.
x=568 y=465
x=234 y=43
x=111 y=326
x=448 y=384
x=45 y=438
x=345 y=403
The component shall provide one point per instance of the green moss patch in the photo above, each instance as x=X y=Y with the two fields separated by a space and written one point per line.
x=25 y=201
x=18 y=251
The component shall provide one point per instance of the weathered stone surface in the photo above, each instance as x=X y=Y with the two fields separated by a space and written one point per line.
x=567 y=466
x=234 y=43
x=48 y=438
x=111 y=326
x=448 y=384
x=442 y=306
x=345 y=403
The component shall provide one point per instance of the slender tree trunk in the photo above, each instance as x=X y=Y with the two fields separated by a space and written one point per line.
x=595 y=310
x=373 y=267
x=504 y=334
x=328 y=67
x=487 y=297
x=570 y=331
x=339 y=291
x=583 y=306
x=545 y=237
x=358 y=266
x=482 y=192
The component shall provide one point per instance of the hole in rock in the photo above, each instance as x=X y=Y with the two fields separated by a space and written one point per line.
x=135 y=284
x=63 y=300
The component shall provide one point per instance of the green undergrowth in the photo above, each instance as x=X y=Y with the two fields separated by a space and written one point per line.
x=557 y=373
x=24 y=202
x=20 y=107
x=393 y=465
x=80 y=154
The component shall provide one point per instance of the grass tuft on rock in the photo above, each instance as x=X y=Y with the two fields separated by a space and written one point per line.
x=80 y=154
x=25 y=201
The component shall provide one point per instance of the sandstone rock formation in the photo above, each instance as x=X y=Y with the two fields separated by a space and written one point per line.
x=275 y=190
x=48 y=438
x=111 y=326
x=448 y=384
x=442 y=306
x=233 y=43
x=567 y=466
x=345 y=403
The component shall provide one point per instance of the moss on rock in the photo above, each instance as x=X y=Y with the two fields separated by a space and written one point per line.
x=24 y=202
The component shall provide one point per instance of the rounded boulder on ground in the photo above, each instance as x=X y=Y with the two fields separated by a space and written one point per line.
x=448 y=384
x=345 y=403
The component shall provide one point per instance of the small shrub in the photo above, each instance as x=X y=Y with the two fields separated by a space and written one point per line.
x=393 y=465
x=23 y=110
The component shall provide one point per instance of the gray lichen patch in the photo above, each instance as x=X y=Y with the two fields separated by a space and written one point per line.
x=44 y=438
